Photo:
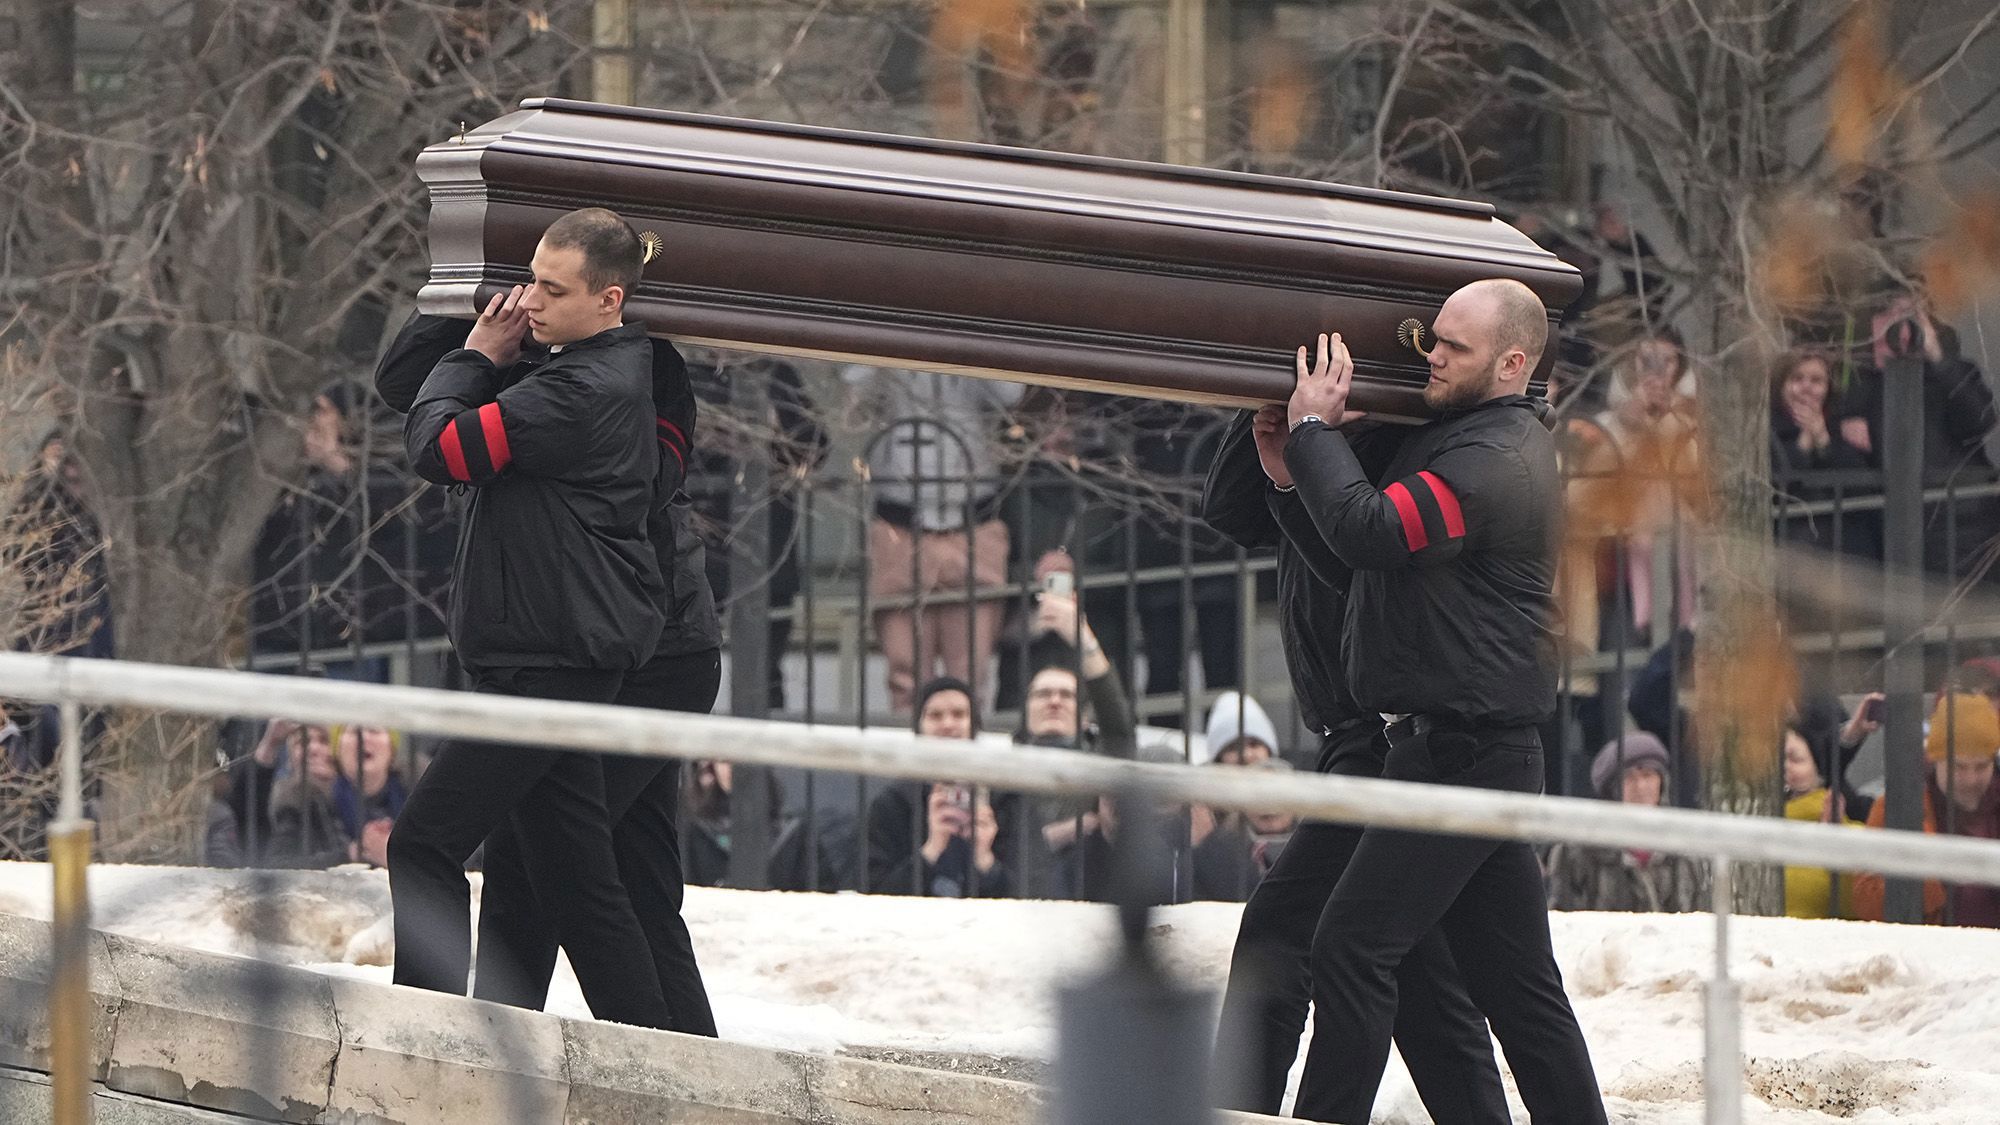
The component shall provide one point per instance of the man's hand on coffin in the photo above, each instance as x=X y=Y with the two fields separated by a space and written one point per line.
x=1323 y=387
x=1270 y=431
x=497 y=334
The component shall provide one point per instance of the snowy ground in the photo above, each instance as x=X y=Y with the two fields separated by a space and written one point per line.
x=1842 y=1020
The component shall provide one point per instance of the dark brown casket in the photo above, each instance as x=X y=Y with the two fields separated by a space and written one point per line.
x=1077 y=271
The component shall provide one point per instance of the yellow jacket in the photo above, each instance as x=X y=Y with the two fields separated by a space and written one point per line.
x=1809 y=890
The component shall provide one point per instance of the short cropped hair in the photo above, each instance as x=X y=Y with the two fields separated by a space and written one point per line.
x=1522 y=322
x=612 y=254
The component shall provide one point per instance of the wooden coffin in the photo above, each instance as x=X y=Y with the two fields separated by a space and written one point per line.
x=1076 y=271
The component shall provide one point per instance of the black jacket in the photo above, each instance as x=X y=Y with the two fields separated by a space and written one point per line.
x=897 y=824
x=1958 y=411
x=1222 y=868
x=555 y=567
x=1240 y=502
x=691 y=624
x=1452 y=610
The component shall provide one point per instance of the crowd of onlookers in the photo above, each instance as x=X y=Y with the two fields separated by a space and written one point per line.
x=1961 y=796
x=305 y=796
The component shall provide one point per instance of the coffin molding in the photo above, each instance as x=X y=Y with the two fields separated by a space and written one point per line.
x=1076 y=271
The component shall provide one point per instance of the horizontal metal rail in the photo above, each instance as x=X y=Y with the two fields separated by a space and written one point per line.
x=622 y=730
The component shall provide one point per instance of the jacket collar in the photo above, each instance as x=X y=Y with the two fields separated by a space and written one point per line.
x=1538 y=406
x=604 y=339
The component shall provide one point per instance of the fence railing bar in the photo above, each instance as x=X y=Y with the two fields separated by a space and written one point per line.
x=898 y=754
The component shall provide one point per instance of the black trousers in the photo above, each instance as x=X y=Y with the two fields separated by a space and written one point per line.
x=1488 y=898
x=554 y=798
x=517 y=932
x=1441 y=1035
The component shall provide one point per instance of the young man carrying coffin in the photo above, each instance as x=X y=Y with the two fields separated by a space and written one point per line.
x=556 y=594
x=517 y=942
x=1450 y=633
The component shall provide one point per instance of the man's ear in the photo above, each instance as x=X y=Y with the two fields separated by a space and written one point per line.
x=612 y=300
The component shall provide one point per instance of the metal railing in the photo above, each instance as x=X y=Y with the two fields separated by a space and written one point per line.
x=1725 y=839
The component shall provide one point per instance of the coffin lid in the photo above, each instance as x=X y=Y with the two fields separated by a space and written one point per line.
x=1074 y=270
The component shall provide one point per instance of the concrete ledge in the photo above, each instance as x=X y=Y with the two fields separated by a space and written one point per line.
x=407 y=1055
x=25 y=963
x=622 y=1075
x=860 y=1092
x=185 y=1036
x=25 y=1096
x=228 y=1033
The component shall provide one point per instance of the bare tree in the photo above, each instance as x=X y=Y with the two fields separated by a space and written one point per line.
x=195 y=201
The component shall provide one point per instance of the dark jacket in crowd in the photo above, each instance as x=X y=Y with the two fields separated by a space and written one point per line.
x=691 y=622
x=356 y=808
x=1958 y=413
x=305 y=828
x=1452 y=609
x=1958 y=408
x=1859 y=532
x=249 y=805
x=898 y=822
x=1239 y=501
x=1222 y=868
x=28 y=794
x=555 y=567
x=1226 y=865
x=65 y=575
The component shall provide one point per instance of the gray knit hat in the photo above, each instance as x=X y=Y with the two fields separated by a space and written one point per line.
x=1638 y=749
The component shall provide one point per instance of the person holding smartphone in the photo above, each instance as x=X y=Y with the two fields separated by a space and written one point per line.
x=945 y=839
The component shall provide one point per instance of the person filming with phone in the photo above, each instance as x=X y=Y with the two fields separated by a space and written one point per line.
x=960 y=847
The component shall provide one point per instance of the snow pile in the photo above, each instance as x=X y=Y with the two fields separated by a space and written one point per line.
x=1841 y=1020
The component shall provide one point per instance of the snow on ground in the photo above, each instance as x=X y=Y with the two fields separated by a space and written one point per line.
x=1842 y=1020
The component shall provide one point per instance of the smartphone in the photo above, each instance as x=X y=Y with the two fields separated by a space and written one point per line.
x=1871 y=710
x=1061 y=582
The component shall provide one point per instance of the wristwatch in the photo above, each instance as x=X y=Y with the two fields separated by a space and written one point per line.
x=1304 y=420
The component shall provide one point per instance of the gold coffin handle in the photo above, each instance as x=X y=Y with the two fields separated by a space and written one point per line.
x=1411 y=333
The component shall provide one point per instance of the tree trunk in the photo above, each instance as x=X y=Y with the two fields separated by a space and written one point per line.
x=181 y=505
x=1743 y=669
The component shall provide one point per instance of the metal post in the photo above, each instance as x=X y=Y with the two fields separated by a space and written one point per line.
x=1131 y=1042
x=750 y=632
x=69 y=998
x=1902 y=444
x=1722 y=1072
x=1186 y=75
x=612 y=73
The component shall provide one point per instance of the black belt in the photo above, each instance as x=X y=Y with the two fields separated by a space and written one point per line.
x=1412 y=726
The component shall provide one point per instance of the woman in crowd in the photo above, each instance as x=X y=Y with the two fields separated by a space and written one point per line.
x=369 y=792
x=1809 y=891
x=1805 y=440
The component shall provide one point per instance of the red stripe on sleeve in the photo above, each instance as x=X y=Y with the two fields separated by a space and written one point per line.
x=454 y=453
x=676 y=452
x=1413 y=521
x=496 y=436
x=1454 y=516
x=679 y=437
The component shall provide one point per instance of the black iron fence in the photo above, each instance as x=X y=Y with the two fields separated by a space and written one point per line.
x=1181 y=614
